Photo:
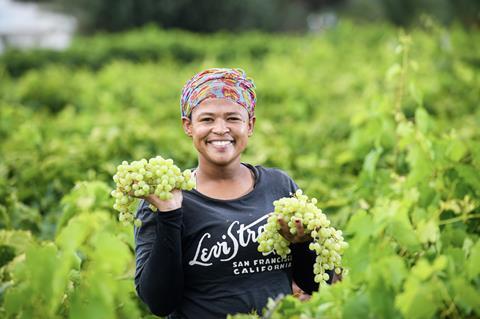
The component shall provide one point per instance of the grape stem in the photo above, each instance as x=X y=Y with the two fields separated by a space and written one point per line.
x=458 y=219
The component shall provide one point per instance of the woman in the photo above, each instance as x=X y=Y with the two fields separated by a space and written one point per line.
x=197 y=257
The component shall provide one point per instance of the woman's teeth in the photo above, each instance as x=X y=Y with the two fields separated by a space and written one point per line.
x=220 y=143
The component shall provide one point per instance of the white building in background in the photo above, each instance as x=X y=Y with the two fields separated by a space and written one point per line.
x=28 y=25
x=319 y=22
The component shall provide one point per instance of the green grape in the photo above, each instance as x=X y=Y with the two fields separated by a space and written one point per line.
x=141 y=178
x=327 y=242
x=137 y=222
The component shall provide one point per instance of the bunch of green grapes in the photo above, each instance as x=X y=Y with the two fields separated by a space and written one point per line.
x=327 y=242
x=157 y=176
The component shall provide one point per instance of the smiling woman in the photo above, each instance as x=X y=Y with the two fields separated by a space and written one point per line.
x=197 y=257
x=220 y=130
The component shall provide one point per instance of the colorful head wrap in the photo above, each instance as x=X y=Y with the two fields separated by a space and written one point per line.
x=225 y=83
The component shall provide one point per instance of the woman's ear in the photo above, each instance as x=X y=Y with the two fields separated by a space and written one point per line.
x=187 y=125
x=251 y=125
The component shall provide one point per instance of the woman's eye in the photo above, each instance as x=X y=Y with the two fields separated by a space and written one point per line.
x=206 y=119
x=234 y=119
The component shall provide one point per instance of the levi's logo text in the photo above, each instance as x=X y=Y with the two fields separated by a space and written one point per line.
x=237 y=236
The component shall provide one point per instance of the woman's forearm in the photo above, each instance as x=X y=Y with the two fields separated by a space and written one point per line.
x=161 y=280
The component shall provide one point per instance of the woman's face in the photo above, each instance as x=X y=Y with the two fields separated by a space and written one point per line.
x=220 y=129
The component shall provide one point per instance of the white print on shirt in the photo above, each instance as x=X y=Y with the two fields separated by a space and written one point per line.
x=261 y=265
x=226 y=249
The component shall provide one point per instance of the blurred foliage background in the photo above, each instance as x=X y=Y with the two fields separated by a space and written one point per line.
x=265 y=15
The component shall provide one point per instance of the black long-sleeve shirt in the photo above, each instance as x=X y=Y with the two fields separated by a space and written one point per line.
x=201 y=260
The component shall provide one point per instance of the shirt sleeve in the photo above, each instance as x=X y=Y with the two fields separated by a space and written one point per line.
x=158 y=250
x=303 y=260
x=302 y=272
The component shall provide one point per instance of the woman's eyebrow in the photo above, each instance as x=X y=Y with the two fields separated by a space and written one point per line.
x=213 y=114
x=206 y=114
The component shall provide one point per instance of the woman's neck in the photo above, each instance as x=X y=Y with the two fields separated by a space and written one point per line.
x=224 y=182
x=220 y=173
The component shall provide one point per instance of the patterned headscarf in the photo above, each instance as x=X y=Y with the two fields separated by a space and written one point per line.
x=225 y=83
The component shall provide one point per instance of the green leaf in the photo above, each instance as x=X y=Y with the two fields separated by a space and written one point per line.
x=356 y=306
x=404 y=234
x=422 y=269
x=420 y=165
x=111 y=253
x=18 y=239
x=357 y=257
x=14 y=300
x=440 y=263
x=42 y=280
x=92 y=305
x=456 y=259
x=422 y=120
x=406 y=132
x=402 y=231
x=84 y=197
x=381 y=299
x=473 y=262
x=72 y=235
x=371 y=160
x=456 y=150
x=453 y=236
x=466 y=295
x=393 y=71
x=418 y=300
x=470 y=175
x=427 y=231
x=360 y=224
x=393 y=271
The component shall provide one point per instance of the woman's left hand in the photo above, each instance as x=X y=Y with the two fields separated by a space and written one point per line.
x=299 y=237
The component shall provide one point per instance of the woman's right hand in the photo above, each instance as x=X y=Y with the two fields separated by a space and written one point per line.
x=166 y=205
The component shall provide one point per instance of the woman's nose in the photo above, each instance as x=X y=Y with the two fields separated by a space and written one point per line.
x=220 y=127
